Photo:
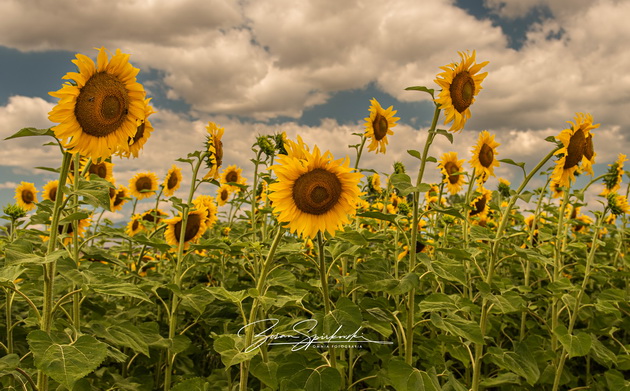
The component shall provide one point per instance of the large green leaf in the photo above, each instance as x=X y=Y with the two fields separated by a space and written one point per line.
x=520 y=362
x=122 y=334
x=323 y=379
x=437 y=302
x=406 y=378
x=231 y=349
x=194 y=384
x=576 y=345
x=26 y=132
x=459 y=326
x=66 y=363
x=266 y=372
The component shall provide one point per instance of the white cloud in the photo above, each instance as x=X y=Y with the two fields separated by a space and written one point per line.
x=8 y=185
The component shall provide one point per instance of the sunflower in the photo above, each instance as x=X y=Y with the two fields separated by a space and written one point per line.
x=612 y=180
x=143 y=185
x=480 y=205
x=134 y=226
x=460 y=84
x=153 y=216
x=119 y=198
x=104 y=170
x=261 y=192
x=99 y=112
x=68 y=229
x=378 y=125
x=172 y=181
x=50 y=190
x=450 y=166
x=316 y=194
x=223 y=194
x=394 y=202
x=374 y=184
x=195 y=227
x=577 y=148
x=618 y=204
x=233 y=174
x=484 y=160
x=207 y=203
x=26 y=195
x=214 y=146
x=143 y=132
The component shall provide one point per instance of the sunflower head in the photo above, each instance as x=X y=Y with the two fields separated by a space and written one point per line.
x=207 y=203
x=484 y=156
x=26 y=195
x=316 y=194
x=14 y=211
x=99 y=113
x=103 y=169
x=143 y=132
x=481 y=204
x=172 y=181
x=143 y=185
x=68 y=229
x=504 y=188
x=450 y=167
x=135 y=225
x=378 y=126
x=51 y=189
x=153 y=216
x=374 y=184
x=223 y=194
x=460 y=84
x=214 y=147
x=119 y=198
x=234 y=175
x=196 y=225
x=612 y=180
x=618 y=204
x=577 y=152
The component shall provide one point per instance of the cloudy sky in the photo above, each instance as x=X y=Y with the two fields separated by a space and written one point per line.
x=310 y=67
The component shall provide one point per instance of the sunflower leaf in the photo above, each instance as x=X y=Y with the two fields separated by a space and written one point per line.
x=421 y=88
x=512 y=162
x=414 y=153
x=26 y=132
x=431 y=159
x=55 y=170
x=74 y=216
x=379 y=216
x=446 y=134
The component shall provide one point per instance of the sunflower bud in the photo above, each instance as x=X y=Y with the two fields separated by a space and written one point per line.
x=14 y=211
x=279 y=140
x=504 y=188
x=399 y=168
x=265 y=145
x=403 y=208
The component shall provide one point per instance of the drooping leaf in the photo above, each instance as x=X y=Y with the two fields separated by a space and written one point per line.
x=459 y=326
x=576 y=345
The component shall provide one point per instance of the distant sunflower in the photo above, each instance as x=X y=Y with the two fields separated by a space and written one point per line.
x=134 y=226
x=98 y=113
x=195 y=227
x=378 y=125
x=316 y=194
x=481 y=204
x=118 y=199
x=172 y=181
x=143 y=132
x=143 y=185
x=460 y=84
x=577 y=148
x=394 y=201
x=484 y=156
x=214 y=147
x=450 y=166
x=261 y=192
x=68 y=229
x=374 y=184
x=618 y=204
x=50 y=190
x=104 y=170
x=223 y=194
x=207 y=203
x=233 y=174
x=154 y=216
x=612 y=180
x=26 y=195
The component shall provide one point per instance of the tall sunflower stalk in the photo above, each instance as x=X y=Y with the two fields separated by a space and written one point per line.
x=494 y=255
x=177 y=275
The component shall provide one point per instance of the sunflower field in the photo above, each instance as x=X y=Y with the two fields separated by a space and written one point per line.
x=320 y=274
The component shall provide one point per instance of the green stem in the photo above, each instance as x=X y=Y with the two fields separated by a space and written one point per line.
x=485 y=310
x=323 y=275
x=254 y=190
x=260 y=287
x=578 y=300
x=177 y=277
x=414 y=238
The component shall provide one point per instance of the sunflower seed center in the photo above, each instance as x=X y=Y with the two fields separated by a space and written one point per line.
x=144 y=183
x=172 y=181
x=192 y=227
x=218 y=146
x=380 y=126
x=486 y=155
x=480 y=205
x=139 y=133
x=28 y=197
x=589 y=151
x=232 y=176
x=316 y=192
x=52 y=194
x=575 y=149
x=462 y=90
x=102 y=105
x=451 y=168
x=120 y=195
x=99 y=169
